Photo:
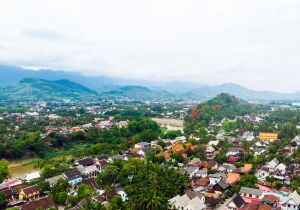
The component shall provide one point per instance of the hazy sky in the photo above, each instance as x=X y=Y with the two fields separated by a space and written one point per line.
x=255 y=43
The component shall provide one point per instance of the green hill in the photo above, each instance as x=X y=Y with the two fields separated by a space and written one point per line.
x=39 y=89
x=223 y=105
x=137 y=92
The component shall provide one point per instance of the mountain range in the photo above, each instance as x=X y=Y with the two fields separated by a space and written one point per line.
x=15 y=80
x=44 y=90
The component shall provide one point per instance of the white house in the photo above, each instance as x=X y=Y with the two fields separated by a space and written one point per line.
x=291 y=202
x=32 y=176
x=248 y=136
x=179 y=201
x=194 y=204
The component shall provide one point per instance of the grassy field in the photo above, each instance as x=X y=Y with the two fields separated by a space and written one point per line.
x=20 y=167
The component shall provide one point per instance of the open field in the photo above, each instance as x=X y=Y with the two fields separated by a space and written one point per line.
x=167 y=121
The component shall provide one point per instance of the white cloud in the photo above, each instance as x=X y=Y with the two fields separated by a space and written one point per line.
x=254 y=43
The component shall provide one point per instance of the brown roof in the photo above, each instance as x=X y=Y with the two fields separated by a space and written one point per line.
x=177 y=148
x=211 y=163
x=264 y=207
x=43 y=203
x=90 y=182
x=30 y=189
x=233 y=178
x=270 y=198
x=202 y=182
x=250 y=206
x=247 y=168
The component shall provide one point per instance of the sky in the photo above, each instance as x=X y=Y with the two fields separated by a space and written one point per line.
x=253 y=43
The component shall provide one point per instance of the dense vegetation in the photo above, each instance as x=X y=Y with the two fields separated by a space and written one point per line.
x=19 y=143
x=222 y=106
x=148 y=185
x=39 y=89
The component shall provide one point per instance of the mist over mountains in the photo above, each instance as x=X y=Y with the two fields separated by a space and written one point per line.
x=10 y=76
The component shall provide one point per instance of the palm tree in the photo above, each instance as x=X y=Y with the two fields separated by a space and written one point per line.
x=154 y=201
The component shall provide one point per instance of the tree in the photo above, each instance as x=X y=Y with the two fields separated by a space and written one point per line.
x=248 y=180
x=62 y=197
x=86 y=193
x=116 y=203
x=4 y=174
x=3 y=201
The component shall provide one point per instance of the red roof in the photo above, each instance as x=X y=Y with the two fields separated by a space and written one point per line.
x=12 y=182
x=232 y=159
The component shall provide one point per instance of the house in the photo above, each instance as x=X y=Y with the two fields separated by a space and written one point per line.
x=221 y=186
x=229 y=167
x=233 y=178
x=263 y=173
x=264 y=207
x=53 y=180
x=212 y=164
x=234 y=151
x=32 y=176
x=251 y=193
x=73 y=177
x=268 y=137
x=291 y=202
x=247 y=169
x=236 y=203
x=232 y=159
x=221 y=135
x=202 y=182
x=7 y=191
x=215 y=178
x=123 y=195
x=29 y=193
x=90 y=182
x=41 y=204
x=259 y=151
x=101 y=165
x=141 y=145
x=194 y=204
x=89 y=171
x=178 y=148
x=270 y=200
x=248 y=136
x=273 y=163
x=297 y=140
x=85 y=162
x=194 y=161
x=179 y=201
x=250 y=206
x=143 y=151
x=191 y=170
x=201 y=173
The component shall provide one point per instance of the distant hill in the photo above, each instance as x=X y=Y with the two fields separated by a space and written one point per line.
x=137 y=92
x=207 y=92
x=223 y=105
x=112 y=85
x=13 y=74
x=39 y=89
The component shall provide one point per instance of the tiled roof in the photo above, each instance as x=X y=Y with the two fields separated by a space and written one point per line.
x=42 y=203
x=86 y=161
x=270 y=198
x=72 y=174
x=177 y=148
x=30 y=189
x=251 y=191
x=238 y=201
x=264 y=207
